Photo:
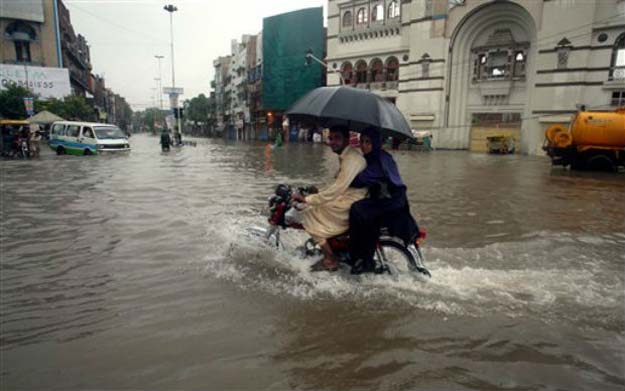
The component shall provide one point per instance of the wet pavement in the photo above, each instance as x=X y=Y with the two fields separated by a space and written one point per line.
x=136 y=271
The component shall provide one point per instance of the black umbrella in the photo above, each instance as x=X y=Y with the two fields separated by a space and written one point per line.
x=356 y=108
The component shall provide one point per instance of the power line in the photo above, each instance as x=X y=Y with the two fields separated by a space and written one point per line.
x=118 y=25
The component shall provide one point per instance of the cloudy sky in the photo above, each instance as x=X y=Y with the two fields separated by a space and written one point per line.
x=125 y=35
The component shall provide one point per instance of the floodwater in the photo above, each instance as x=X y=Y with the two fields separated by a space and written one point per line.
x=137 y=272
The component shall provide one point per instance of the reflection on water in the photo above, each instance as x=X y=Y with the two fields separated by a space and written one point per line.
x=135 y=271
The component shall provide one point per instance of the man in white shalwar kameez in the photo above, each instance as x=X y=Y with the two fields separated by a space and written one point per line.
x=327 y=213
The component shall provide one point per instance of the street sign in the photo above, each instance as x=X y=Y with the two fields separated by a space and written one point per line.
x=173 y=90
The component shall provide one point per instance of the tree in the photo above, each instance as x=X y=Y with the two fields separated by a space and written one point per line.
x=12 y=102
x=77 y=108
x=152 y=117
x=72 y=107
x=198 y=109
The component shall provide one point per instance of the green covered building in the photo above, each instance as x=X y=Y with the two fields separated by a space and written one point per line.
x=286 y=77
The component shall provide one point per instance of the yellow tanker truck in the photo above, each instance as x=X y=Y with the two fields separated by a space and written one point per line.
x=594 y=140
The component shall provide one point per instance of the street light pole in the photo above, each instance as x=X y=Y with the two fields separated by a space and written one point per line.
x=310 y=56
x=160 y=81
x=171 y=9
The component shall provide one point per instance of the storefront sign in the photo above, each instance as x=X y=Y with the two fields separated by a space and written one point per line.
x=45 y=82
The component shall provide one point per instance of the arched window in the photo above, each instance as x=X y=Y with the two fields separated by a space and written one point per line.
x=348 y=19
x=617 y=66
x=347 y=73
x=393 y=10
x=377 y=70
x=22 y=35
x=392 y=69
x=362 y=17
x=377 y=13
x=361 y=72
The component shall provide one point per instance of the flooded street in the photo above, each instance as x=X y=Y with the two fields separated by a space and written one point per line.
x=136 y=271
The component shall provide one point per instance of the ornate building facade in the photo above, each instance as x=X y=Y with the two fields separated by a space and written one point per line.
x=467 y=69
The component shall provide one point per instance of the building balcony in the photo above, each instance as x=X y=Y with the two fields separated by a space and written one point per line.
x=75 y=55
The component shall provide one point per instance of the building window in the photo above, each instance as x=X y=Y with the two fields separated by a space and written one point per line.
x=377 y=70
x=393 y=10
x=347 y=72
x=361 y=72
x=425 y=65
x=617 y=66
x=497 y=65
x=618 y=98
x=392 y=69
x=500 y=58
x=22 y=51
x=22 y=34
x=362 y=17
x=563 y=49
x=348 y=19
x=519 y=65
x=500 y=64
x=377 y=13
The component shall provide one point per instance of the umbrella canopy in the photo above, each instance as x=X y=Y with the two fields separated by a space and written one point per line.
x=44 y=117
x=356 y=108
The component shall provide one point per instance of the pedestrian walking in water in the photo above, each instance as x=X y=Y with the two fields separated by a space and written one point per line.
x=35 y=140
x=165 y=140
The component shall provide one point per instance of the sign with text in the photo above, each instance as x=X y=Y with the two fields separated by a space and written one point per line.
x=46 y=82
x=173 y=90
x=29 y=105
x=23 y=10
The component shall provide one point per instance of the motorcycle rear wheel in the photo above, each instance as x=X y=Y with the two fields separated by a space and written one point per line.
x=397 y=258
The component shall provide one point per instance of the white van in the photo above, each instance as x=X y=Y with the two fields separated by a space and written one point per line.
x=86 y=138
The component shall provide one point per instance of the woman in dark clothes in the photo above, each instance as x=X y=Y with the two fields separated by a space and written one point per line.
x=386 y=199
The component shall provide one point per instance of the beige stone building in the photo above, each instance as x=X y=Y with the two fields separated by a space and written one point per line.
x=39 y=33
x=468 y=69
x=29 y=33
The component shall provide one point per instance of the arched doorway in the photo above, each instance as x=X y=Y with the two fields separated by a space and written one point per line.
x=361 y=72
x=347 y=73
x=492 y=53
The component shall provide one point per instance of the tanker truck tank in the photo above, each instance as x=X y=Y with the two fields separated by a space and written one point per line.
x=593 y=140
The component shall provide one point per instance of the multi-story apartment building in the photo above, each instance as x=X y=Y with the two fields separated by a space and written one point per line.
x=467 y=69
x=251 y=91
x=30 y=50
x=222 y=102
x=76 y=55
x=238 y=73
x=39 y=48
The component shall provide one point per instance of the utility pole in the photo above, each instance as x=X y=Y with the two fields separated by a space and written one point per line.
x=310 y=56
x=160 y=81
x=171 y=9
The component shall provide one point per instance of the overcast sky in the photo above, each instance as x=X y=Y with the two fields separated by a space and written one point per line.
x=125 y=35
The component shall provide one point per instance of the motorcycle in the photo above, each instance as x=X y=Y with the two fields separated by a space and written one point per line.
x=393 y=255
x=23 y=151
